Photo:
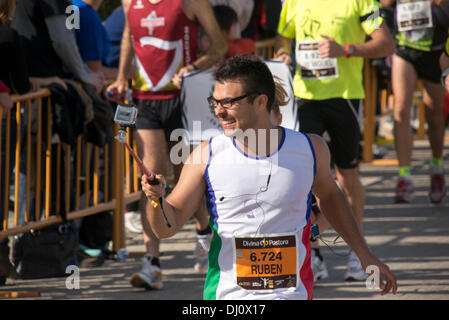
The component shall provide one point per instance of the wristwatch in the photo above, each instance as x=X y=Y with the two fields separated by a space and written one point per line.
x=349 y=50
x=444 y=76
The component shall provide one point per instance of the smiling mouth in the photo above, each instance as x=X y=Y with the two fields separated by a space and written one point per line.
x=227 y=124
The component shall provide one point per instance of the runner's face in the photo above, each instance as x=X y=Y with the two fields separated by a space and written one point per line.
x=238 y=116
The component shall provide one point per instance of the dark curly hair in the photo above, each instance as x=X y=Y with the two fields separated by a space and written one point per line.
x=252 y=72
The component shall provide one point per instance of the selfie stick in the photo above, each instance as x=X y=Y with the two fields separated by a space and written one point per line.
x=126 y=118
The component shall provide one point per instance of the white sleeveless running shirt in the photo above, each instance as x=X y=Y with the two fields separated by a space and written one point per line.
x=259 y=210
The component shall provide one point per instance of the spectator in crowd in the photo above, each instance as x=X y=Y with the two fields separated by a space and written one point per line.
x=227 y=20
x=14 y=75
x=164 y=37
x=49 y=42
x=330 y=98
x=94 y=47
x=93 y=39
x=264 y=20
x=419 y=45
x=114 y=25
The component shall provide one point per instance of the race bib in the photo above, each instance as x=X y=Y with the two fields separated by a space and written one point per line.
x=311 y=66
x=413 y=15
x=266 y=262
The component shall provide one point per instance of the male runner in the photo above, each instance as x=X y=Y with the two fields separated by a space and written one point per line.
x=258 y=194
x=419 y=45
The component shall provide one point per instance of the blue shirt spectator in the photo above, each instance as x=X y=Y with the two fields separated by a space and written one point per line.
x=91 y=37
x=114 y=25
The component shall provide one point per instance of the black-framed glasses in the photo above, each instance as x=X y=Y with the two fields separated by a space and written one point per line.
x=227 y=102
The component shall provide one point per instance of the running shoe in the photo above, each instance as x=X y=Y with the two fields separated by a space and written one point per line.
x=149 y=277
x=133 y=222
x=437 y=185
x=318 y=268
x=354 y=270
x=202 y=251
x=404 y=190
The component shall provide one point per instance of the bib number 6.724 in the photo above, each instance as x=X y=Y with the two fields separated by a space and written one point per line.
x=265 y=256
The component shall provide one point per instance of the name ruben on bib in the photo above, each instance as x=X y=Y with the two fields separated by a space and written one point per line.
x=266 y=262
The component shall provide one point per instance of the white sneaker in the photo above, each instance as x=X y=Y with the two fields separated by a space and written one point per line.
x=202 y=252
x=133 y=222
x=149 y=277
x=318 y=268
x=354 y=271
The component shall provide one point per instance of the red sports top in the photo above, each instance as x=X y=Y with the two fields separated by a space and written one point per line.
x=165 y=40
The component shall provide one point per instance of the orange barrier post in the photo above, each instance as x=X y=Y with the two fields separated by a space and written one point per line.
x=5 y=183
x=370 y=85
x=118 y=184
x=39 y=172
x=265 y=48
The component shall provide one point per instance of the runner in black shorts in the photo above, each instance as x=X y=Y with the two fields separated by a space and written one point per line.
x=426 y=64
x=340 y=118
x=419 y=45
x=160 y=114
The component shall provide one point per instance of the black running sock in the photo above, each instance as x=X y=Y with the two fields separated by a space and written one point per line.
x=208 y=230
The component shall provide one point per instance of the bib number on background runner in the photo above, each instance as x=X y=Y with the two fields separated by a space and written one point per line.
x=311 y=66
x=266 y=262
x=413 y=15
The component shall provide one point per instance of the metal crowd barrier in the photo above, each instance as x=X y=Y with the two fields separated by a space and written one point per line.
x=81 y=172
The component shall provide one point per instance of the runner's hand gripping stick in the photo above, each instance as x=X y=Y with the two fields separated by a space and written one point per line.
x=125 y=116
